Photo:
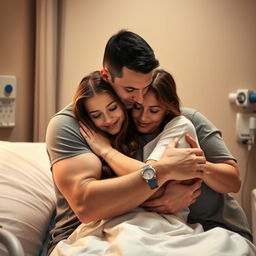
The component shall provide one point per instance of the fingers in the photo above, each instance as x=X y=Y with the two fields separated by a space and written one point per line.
x=173 y=143
x=196 y=185
x=196 y=194
x=197 y=151
x=159 y=209
x=191 y=141
x=196 y=188
x=200 y=166
x=189 y=196
x=85 y=128
x=193 y=201
x=171 y=182
x=82 y=132
x=82 y=125
x=201 y=160
x=86 y=132
x=152 y=203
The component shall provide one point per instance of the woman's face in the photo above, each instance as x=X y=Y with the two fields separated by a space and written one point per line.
x=149 y=115
x=105 y=113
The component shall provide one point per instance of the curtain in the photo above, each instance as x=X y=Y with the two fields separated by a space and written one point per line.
x=46 y=69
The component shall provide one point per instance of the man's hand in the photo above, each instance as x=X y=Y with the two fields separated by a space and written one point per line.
x=175 y=197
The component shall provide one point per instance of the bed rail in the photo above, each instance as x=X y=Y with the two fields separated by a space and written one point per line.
x=11 y=242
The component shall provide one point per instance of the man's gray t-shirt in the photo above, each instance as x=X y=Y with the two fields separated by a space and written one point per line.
x=211 y=209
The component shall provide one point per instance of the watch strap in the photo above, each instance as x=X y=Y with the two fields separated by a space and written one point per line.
x=152 y=183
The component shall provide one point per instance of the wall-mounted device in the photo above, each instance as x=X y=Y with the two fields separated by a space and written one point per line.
x=7 y=101
x=245 y=127
x=245 y=99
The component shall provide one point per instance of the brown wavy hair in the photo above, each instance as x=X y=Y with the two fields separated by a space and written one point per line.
x=164 y=87
x=124 y=142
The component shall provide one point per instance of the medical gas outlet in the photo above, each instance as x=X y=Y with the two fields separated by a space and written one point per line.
x=245 y=99
x=7 y=101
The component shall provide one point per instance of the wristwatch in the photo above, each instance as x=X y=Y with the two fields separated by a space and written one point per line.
x=148 y=173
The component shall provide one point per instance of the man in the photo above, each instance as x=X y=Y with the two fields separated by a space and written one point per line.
x=128 y=66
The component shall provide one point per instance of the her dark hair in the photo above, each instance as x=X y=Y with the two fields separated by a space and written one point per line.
x=90 y=86
x=127 y=49
x=164 y=87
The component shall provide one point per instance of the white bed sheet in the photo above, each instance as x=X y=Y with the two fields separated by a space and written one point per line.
x=146 y=233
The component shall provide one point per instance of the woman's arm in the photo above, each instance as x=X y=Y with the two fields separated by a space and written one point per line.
x=100 y=145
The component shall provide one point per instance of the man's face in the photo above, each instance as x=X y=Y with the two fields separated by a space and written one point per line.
x=131 y=87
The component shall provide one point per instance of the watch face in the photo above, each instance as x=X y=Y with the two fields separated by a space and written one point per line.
x=148 y=174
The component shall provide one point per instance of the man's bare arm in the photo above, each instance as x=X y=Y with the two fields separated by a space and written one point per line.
x=223 y=177
x=91 y=199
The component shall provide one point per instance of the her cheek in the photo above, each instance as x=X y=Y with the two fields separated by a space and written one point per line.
x=97 y=123
x=133 y=114
x=136 y=113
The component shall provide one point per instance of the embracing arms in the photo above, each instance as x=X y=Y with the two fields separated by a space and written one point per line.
x=91 y=199
x=223 y=177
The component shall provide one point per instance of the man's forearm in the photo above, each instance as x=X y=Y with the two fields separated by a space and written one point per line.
x=222 y=177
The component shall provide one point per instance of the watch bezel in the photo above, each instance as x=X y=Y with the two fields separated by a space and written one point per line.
x=145 y=169
x=152 y=182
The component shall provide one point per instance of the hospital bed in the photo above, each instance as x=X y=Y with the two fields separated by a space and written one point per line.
x=27 y=199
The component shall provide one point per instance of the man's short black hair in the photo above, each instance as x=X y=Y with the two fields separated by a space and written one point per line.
x=127 y=49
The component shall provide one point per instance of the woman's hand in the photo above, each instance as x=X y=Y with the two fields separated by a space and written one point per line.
x=98 y=143
x=186 y=163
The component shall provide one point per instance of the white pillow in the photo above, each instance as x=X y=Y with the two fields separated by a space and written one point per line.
x=27 y=197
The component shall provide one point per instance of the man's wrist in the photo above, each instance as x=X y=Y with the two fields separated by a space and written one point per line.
x=163 y=173
x=148 y=173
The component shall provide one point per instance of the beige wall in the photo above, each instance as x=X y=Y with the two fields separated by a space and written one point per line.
x=17 y=58
x=208 y=46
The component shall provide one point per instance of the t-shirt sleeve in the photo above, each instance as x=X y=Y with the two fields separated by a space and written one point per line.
x=63 y=139
x=176 y=128
x=210 y=139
